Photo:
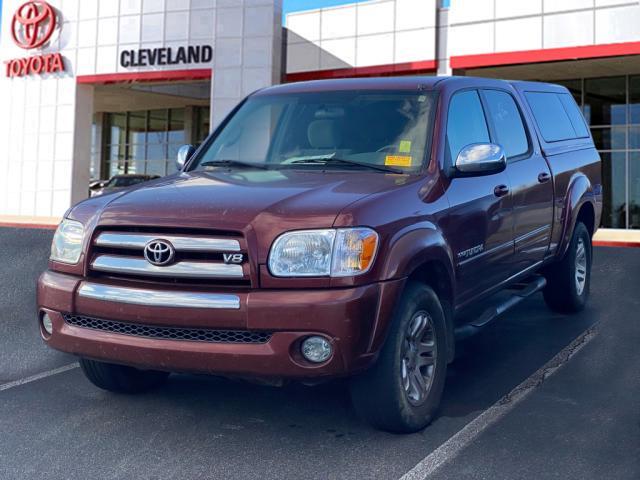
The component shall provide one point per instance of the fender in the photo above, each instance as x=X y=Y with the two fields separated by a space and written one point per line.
x=410 y=249
x=580 y=191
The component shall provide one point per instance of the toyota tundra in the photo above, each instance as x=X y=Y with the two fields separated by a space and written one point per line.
x=343 y=228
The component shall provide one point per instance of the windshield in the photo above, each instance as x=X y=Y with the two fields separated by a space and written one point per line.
x=385 y=130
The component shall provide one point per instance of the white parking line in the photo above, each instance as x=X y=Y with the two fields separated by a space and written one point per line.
x=38 y=376
x=452 y=447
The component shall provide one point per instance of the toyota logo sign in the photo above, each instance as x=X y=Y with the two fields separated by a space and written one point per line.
x=33 y=24
x=159 y=252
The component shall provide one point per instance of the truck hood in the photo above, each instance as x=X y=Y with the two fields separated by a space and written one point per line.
x=268 y=202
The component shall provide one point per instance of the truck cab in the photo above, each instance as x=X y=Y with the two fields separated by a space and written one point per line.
x=343 y=228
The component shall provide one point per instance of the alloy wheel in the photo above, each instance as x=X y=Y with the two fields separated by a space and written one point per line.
x=418 y=358
x=581 y=266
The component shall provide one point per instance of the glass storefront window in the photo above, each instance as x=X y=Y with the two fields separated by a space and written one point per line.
x=137 y=128
x=633 y=186
x=612 y=108
x=177 y=133
x=609 y=138
x=613 y=177
x=605 y=101
x=156 y=168
x=574 y=87
x=157 y=129
x=147 y=142
x=202 y=125
x=634 y=137
x=118 y=127
x=634 y=100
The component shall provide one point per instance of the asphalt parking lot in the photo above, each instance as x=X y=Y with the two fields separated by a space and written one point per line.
x=581 y=422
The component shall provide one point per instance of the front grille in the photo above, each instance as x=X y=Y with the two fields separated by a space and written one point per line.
x=214 y=259
x=168 y=333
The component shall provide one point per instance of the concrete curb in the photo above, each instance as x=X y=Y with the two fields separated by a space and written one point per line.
x=17 y=221
x=616 y=238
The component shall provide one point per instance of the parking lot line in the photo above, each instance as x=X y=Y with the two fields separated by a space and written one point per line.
x=452 y=447
x=38 y=376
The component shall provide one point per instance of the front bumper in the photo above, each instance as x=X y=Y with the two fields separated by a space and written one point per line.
x=353 y=319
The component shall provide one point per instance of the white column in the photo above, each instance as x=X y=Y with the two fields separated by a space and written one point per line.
x=442 y=42
x=80 y=169
x=248 y=52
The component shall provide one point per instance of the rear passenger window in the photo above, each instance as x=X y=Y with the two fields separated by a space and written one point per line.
x=551 y=116
x=575 y=115
x=465 y=123
x=510 y=131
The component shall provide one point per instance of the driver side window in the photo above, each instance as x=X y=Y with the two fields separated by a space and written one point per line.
x=466 y=123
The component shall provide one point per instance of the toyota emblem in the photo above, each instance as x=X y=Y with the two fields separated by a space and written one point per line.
x=33 y=24
x=159 y=253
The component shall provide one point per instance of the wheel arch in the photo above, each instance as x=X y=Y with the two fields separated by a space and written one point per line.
x=435 y=274
x=422 y=255
x=587 y=215
x=579 y=205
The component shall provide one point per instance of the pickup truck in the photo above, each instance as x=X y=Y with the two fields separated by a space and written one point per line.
x=343 y=228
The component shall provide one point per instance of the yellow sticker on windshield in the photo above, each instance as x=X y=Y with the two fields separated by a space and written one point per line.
x=398 y=160
x=405 y=146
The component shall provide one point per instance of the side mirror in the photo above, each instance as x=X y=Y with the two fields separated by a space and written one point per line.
x=481 y=159
x=184 y=154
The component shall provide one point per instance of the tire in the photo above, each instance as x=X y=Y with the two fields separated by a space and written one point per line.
x=382 y=395
x=121 y=379
x=564 y=292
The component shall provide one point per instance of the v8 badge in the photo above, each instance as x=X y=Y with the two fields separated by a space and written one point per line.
x=233 y=258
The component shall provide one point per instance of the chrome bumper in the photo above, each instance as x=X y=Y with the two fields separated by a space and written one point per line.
x=158 y=298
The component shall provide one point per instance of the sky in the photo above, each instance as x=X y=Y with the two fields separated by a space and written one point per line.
x=298 y=5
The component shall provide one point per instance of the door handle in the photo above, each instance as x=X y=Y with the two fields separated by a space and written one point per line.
x=501 y=190
x=544 y=177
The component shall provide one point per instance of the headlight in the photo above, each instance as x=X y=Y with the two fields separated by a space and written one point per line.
x=67 y=242
x=321 y=253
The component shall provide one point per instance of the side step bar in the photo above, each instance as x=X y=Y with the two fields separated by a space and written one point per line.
x=521 y=291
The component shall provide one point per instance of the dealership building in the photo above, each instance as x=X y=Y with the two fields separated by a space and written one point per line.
x=90 y=89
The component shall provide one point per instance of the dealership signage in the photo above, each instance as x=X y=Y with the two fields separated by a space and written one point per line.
x=153 y=57
x=32 y=26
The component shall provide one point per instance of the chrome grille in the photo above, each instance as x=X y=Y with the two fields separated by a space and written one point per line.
x=168 y=333
x=197 y=256
x=180 y=242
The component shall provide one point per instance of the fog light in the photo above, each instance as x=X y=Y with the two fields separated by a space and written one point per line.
x=316 y=349
x=47 y=324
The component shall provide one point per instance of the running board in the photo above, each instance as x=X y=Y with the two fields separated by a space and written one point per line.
x=521 y=291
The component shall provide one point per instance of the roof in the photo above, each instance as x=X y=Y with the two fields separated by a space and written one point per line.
x=368 y=83
x=399 y=83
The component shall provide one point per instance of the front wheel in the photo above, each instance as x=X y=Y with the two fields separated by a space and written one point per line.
x=121 y=379
x=402 y=391
x=569 y=280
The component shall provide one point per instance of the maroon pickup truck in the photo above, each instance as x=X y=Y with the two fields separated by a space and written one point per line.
x=330 y=229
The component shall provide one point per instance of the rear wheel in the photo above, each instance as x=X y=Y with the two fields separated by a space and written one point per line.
x=569 y=280
x=402 y=391
x=121 y=379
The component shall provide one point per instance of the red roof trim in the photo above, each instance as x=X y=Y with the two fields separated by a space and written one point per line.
x=545 y=55
x=154 y=76
x=428 y=66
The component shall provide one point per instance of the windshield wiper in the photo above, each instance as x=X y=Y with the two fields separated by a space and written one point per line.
x=325 y=161
x=233 y=163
